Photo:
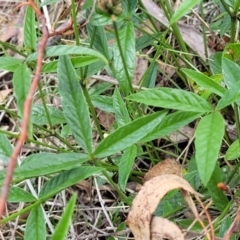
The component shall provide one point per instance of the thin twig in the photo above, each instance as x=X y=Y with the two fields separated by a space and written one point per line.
x=27 y=108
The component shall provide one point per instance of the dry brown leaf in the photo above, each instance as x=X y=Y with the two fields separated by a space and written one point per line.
x=105 y=119
x=85 y=185
x=146 y=201
x=194 y=40
x=163 y=228
x=167 y=166
x=4 y=94
x=183 y=134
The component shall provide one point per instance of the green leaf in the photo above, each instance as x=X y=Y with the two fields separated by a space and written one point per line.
x=196 y=227
x=87 y=4
x=36 y=227
x=128 y=134
x=30 y=38
x=145 y=41
x=74 y=104
x=5 y=148
x=225 y=24
x=67 y=179
x=94 y=68
x=120 y=109
x=219 y=198
x=170 y=123
x=99 y=88
x=46 y=163
x=126 y=165
x=128 y=6
x=21 y=84
x=9 y=63
x=102 y=102
x=100 y=40
x=167 y=207
x=233 y=151
x=231 y=73
x=149 y=78
x=232 y=51
x=77 y=62
x=204 y=81
x=18 y=195
x=183 y=9
x=215 y=63
x=209 y=134
x=100 y=20
x=61 y=50
x=127 y=41
x=39 y=116
x=225 y=225
x=65 y=220
x=173 y=99
x=231 y=96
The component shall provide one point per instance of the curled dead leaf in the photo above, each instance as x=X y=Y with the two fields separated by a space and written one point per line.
x=163 y=228
x=141 y=213
x=168 y=166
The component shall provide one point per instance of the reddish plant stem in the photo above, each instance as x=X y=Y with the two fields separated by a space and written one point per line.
x=27 y=108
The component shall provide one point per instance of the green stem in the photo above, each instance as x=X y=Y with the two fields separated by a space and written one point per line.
x=75 y=26
x=66 y=142
x=150 y=18
x=44 y=105
x=24 y=210
x=236 y=114
x=14 y=135
x=91 y=107
x=59 y=137
x=114 y=185
x=13 y=48
x=168 y=12
x=117 y=189
x=181 y=75
x=226 y=7
x=94 y=116
x=76 y=32
x=233 y=18
x=112 y=168
x=232 y=173
x=91 y=44
x=204 y=32
x=237 y=6
x=122 y=56
x=13 y=114
x=222 y=215
x=233 y=29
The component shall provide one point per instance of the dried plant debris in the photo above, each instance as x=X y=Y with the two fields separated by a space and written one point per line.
x=140 y=218
x=163 y=228
x=168 y=166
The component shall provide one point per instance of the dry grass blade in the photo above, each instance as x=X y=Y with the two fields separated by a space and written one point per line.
x=145 y=203
x=192 y=206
